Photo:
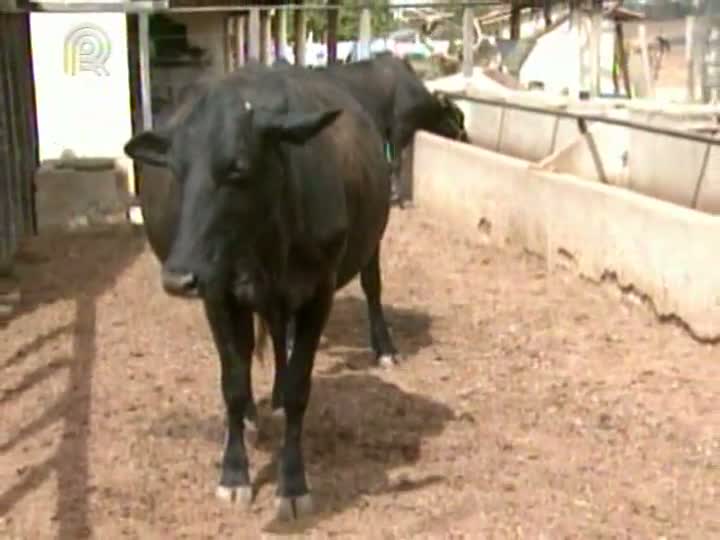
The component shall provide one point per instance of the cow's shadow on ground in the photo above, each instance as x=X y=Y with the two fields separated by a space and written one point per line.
x=347 y=334
x=358 y=430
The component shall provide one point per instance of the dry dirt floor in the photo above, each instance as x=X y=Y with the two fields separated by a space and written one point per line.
x=528 y=405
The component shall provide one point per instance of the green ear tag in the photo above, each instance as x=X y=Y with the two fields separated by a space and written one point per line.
x=388 y=151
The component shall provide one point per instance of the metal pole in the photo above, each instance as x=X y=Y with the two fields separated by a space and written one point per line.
x=265 y=36
x=254 y=31
x=240 y=39
x=145 y=91
x=282 y=30
x=142 y=6
x=332 y=33
x=594 y=118
x=300 y=27
x=689 y=56
x=364 y=34
x=596 y=28
x=468 y=30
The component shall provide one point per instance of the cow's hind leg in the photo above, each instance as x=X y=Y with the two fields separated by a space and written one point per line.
x=282 y=333
x=294 y=498
x=232 y=331
x=380 y=339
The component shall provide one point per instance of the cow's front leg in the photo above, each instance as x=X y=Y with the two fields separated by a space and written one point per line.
x=232 y=331
x=294 y=499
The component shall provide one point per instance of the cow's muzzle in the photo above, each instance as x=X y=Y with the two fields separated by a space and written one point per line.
x=180 y=283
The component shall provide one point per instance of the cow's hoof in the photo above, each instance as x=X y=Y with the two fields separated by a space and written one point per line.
x=241 y=495
x=387 y=360
x=252 y=432
x=292 y=508
x=279 y=412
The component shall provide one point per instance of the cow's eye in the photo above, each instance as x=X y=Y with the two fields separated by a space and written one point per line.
x=235 y=176
x=237 y=172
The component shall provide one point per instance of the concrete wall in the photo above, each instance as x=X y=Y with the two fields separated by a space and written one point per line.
x=76 y=194
x=81 y=112
x=662 y=166
x=600 y=155
x=606 y=230
x=669 y=168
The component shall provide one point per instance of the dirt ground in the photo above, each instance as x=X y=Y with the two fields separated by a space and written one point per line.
x=528 y=405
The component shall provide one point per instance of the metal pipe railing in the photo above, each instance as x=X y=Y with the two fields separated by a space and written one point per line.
x=582 y=118
x=165 y=6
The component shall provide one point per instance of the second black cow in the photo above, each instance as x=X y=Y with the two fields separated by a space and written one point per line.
x=399 y=103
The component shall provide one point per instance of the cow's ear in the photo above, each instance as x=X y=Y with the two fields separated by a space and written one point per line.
x=294 y=127
x=149 y=147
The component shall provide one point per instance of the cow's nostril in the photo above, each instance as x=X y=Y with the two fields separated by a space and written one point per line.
x=179 y=283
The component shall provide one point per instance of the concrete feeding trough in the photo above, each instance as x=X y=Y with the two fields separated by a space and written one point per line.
x=73 y=193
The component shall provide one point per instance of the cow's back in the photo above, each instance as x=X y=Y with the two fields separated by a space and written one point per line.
x=372 y=84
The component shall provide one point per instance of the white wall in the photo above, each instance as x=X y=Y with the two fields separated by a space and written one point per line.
x=86 y=113
x=559 y=56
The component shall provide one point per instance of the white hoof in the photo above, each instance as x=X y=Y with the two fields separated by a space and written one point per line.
x=241 y=495
x=291 y=508
x=279 y=412
x=387 y=361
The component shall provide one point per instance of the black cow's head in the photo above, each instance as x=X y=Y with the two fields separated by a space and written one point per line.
x=224 y=154
x=449 y=120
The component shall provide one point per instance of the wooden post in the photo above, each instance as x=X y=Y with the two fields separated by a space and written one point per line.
x=240 y=39
x=282 y=30
x=333 y=17
x=364 y=34
x=700 y=46
x=145 y=90
x=547 y=12
x=229 y=43
x=275 y=33
x=622 y=57
x=265 y=36
x=468 y=33
x=689 y=58
x=515 y=20
x=254 y=34
x=595 y=33
x=299 y=36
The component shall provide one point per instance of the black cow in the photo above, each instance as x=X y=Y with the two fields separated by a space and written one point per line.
x=399 y=103
x=283 y=198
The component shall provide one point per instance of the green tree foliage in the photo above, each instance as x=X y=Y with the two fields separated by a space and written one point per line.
x=349 y=20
